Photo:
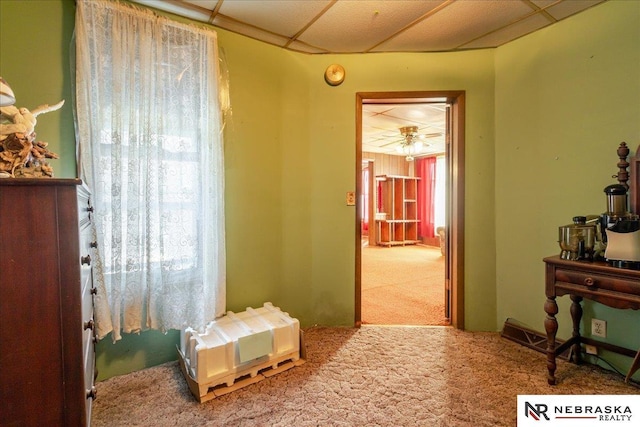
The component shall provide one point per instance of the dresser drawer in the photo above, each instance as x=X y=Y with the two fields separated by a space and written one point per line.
x=595 y=281
x=88 y=342
x=88 y=326
x=87 y=249
x=89 y=357
x=86 y=279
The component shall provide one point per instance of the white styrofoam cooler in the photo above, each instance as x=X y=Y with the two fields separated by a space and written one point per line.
x=238 y=345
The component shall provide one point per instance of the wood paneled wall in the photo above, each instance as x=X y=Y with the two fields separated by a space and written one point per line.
x=383 y=164
x=389 y=165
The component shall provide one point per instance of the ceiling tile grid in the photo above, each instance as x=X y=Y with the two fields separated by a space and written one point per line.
x=356 y=26
x=360 y=26
x=563 y=9
x=509 y=33
x=381 y=125
x=457 y=24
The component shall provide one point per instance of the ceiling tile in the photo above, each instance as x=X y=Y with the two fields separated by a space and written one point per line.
x=282 y=17
x=253 y=32
x=356 y=26
x=509 y=33
x=456 y=24
x=567 y=8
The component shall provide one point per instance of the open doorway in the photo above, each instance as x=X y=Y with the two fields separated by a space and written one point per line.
x=402 y=254
x=394 y=175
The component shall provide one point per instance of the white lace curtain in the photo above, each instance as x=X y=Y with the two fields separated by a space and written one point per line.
x=150 y=148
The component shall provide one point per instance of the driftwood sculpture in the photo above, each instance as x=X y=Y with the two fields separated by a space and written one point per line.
x=20 y=154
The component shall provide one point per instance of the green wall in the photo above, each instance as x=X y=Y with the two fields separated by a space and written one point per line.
x=566 y=97
x=290 y=159
x=35 y=42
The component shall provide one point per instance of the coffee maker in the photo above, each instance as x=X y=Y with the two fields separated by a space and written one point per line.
x=620 y=230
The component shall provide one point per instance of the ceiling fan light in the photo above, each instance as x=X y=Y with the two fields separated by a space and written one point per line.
x=408 y=130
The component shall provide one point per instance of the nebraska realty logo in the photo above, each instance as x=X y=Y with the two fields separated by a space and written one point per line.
x=578 y=410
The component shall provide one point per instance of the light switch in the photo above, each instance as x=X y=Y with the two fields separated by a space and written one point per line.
x=351 y=198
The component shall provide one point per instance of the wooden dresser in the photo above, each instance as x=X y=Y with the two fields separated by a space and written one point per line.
x=47 y=354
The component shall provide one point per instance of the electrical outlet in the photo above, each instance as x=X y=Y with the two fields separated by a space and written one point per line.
x=591 y=349
x=599 y=328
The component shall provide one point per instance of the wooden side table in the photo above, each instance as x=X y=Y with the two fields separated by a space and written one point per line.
x=597 y=281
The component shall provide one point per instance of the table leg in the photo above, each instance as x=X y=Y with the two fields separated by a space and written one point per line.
x=551 y=326
x=576 y=316
x=634 y=367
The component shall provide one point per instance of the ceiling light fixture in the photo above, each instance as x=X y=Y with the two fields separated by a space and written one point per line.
x=411 y=145
x=334 y=74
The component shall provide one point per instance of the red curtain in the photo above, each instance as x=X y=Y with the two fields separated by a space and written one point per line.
x=365 y=200
x=426 y=171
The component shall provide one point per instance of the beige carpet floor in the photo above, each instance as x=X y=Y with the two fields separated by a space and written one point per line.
x=372 y=376
x=402 y=285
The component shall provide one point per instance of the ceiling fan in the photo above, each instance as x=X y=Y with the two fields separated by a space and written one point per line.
x=412 y=142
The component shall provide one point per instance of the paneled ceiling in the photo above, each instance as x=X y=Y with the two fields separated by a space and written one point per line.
x=381 y=125
x=364 y=26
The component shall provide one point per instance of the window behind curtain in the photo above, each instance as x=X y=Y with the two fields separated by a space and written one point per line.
x=150 y=148
x=431 y=194
x=439 y=205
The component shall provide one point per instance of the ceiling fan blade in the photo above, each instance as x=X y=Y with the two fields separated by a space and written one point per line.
x=431 y=135
x=398 y=141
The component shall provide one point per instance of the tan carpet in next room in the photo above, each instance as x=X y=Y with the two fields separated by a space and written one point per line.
x=402 y=285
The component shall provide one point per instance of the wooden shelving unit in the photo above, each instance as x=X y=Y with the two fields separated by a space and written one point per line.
x=397 y=216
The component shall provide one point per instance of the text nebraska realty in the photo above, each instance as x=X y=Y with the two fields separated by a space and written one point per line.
x=601 y=413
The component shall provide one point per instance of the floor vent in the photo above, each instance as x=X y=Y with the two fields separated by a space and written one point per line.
x=513 y=331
